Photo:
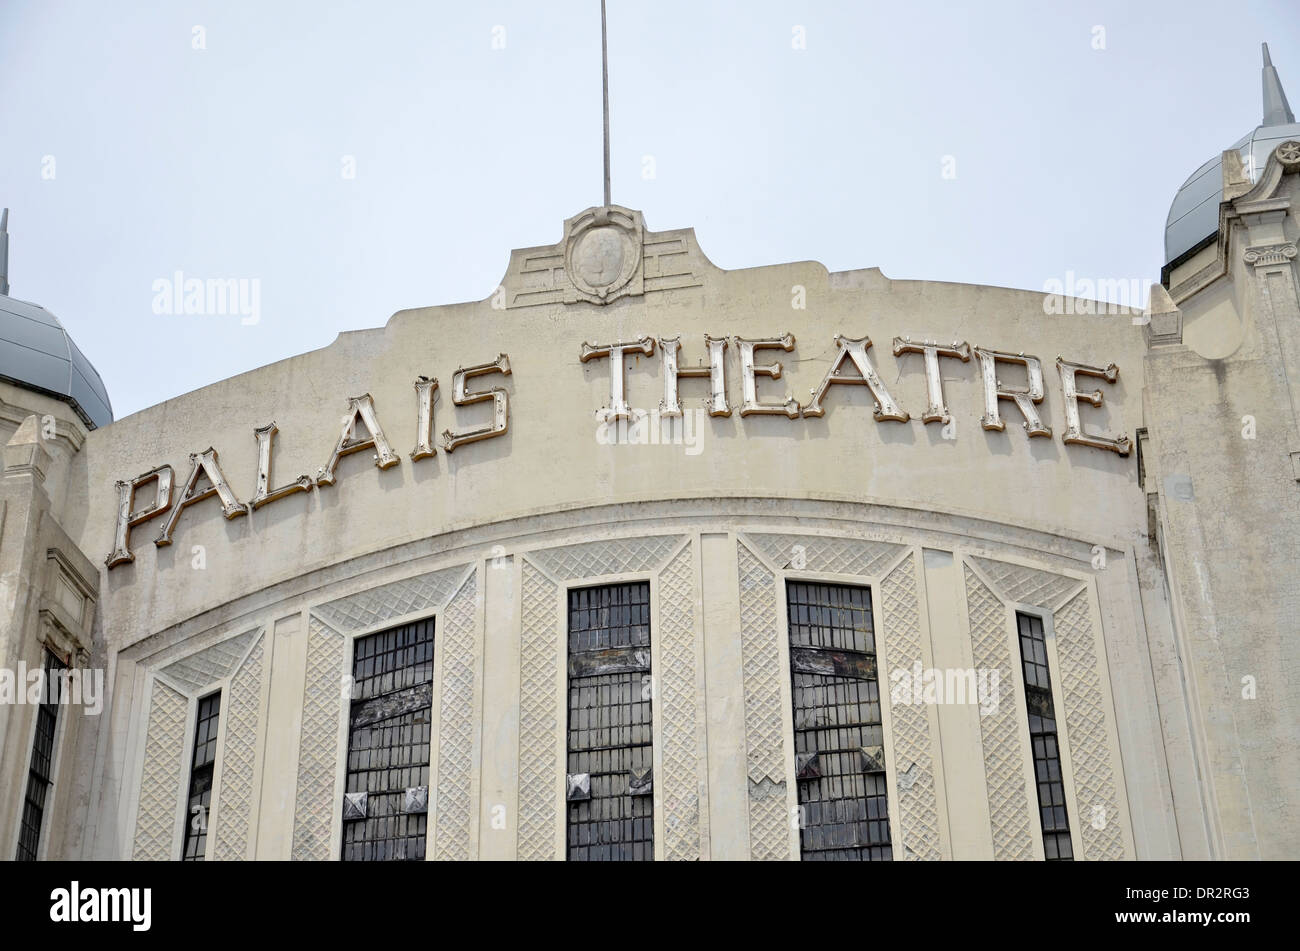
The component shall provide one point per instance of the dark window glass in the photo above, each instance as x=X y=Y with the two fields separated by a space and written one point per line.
x=1042 y=735
x=201 y=766
x=838 y=738
x=611 y=812
x=41 y=771
x=389 y=732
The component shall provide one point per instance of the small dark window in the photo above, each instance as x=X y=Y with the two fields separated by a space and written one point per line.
x=201 y=766
x=838 y=737
x=1042 y=734
x=385 y=809
x=40 y=774
x=610 y=753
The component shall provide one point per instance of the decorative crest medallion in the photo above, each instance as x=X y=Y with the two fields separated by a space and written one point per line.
x=603 y=251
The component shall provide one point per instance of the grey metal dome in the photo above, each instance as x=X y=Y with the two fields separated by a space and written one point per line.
x=36 y=352
x=1194 y=214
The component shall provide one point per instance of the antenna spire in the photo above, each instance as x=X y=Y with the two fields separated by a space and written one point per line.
x=1277 y=111
x=4 y=252
x=604 y=82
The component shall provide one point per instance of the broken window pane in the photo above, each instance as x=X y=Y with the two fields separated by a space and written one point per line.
x=389 y=732
x=610 y=815
x=839 y=741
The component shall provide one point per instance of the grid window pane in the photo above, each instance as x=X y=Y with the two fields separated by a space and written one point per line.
x=839 y=741
x=41 y=771
x=201 y=765
x=389 y=733
x=609 y=725
x=1042 y=737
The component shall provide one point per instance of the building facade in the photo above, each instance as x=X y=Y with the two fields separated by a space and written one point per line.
x=638 y=558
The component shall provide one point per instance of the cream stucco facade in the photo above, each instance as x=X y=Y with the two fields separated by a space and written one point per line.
x=1163 y=567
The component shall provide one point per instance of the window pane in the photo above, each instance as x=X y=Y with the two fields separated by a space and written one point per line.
x=609 y=727
x=389 y=732
x=839 y=741
x=40 y=773
x=199 y=803
x=1042 y=737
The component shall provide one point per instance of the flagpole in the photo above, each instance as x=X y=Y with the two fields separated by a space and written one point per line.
x=604 y=79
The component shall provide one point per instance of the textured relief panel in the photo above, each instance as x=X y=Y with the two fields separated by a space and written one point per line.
x=849 y=556
x=668 y=261
x=238 y=759
x=610 y=557
x=1026 y=585
x=761 y=660
x=209 y=666
x=918 y=805
x=397 y=599
x=160 y=783
x=539 y=723
x=456 y=725
x=318 y=750
x=677 y=691
x=1004 y=756
x=1085 y=724
x=768 y=838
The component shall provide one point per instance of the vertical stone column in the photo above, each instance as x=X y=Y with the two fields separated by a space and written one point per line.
x=725 y=683
x=499 y=781
x=959 y=724
x=287 y=650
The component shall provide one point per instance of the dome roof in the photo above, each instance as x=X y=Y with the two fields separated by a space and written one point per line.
x=36 y=352
x=1194 y=214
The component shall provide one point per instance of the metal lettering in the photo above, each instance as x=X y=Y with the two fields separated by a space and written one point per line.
x=618 y=408
x=936 y=411
x=1074 y=434
x=855 y=349
x=360 y=409
x=500 y=403
x=716 y=372
x=127 y=520
x=202 y=465
x=265 y=437
x=426 y=391
x=750 y=406
x=1024 y=397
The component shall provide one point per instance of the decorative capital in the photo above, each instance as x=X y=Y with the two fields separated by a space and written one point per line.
x=1268 y=254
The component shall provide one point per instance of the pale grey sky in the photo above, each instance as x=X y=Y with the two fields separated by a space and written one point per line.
x=227 y=161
